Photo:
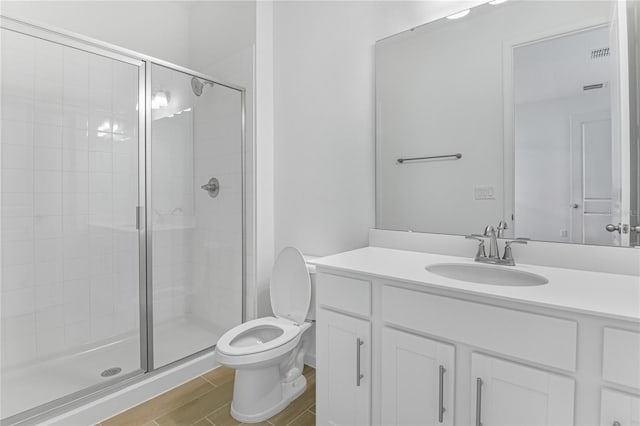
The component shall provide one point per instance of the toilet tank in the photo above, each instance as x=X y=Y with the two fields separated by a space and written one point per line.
x=312 y=274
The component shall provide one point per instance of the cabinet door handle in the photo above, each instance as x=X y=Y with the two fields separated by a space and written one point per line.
x=359 y=375
x=478 y=401
x=441 y=408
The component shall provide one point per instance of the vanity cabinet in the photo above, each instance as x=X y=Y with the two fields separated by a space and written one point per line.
x=619 y=409
x=507 y=393
x=432 y=355
x=344 y=390
x=417 y=379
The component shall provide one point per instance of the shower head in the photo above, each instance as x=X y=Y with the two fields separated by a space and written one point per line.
x=198 y=86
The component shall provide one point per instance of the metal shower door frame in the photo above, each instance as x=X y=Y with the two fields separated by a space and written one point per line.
x=143 y=214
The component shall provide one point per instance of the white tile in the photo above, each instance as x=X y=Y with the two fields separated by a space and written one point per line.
x=51 y=341
x=76 y=66
x=75 y=224
x=100 y=241
x=16 y=204
x=17 y=156
x=17 y=228
x=100 y=98
x=47 y=226
x=75 y=203
x=76 y=246
x=101 y=204
x=100 y=162
x=100 y=182
x=21 y=350
x=75 y=117
x=102 y=295
x=75 y=182
x=48 y=204
x=17 y=277
x=49 y=318
x=16 y=326
x=75 y=161
x=14 y=180
x=49 y=250
x=47 y=273
x=75 y=269
x=100 y=141
x=16 y=132
x=17 y=253
x=47 y=135
x=48 y=113
x=102 y=327
x=17 y=108
x=77 y=334
x=18 y=302
x=49 y=295
x=75 y=139
x=100 y=71
x=48 y=88
x=101 y=265
x=47 y=158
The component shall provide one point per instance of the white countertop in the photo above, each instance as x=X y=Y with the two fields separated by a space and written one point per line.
x=610 y=295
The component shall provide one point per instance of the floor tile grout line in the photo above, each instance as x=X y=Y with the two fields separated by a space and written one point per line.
x=204 y=418
x=208 y=381
x=180 y=406
x=298 y=416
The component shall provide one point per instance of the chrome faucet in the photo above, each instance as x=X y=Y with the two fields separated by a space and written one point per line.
x=494 y=250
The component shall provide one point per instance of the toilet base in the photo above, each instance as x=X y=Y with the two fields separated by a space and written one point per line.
x=290 y=391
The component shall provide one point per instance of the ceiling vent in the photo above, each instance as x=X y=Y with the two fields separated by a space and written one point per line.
x=600 y=53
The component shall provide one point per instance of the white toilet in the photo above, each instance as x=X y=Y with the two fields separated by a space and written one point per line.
x=268 y=353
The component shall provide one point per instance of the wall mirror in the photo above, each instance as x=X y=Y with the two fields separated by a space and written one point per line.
x=523 y=111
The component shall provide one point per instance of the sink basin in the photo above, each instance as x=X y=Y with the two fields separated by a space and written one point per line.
x=487 y=274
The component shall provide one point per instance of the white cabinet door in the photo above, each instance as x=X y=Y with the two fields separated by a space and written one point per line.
x=343 y=379
x=505 y=393
x=417 y=380
x=619 y=409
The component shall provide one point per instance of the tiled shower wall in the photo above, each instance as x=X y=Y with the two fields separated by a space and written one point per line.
x=69 y=142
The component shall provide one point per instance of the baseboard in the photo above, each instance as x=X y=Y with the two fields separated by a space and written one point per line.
x=310 y=360
x=158 y=383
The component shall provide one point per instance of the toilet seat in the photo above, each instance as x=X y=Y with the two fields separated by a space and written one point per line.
x=229 y=343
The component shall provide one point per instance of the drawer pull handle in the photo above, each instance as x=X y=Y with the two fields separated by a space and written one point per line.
x=441 y=408
x=359 y=375
x=478 y=401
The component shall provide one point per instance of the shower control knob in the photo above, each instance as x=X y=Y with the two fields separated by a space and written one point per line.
x=212 y=187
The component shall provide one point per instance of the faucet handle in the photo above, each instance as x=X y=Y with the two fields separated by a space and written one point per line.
x=508 y=255
x=489 y=231
x=481 y=252
x=516 y=241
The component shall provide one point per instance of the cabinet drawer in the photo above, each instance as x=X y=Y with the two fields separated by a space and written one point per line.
x=345 y=294
x=537 y=338
x=621 y=357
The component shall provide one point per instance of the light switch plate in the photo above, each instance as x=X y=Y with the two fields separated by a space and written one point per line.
x=485 y=192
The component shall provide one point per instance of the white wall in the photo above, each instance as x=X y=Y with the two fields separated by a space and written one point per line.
x=159 y=29
x=324 y=116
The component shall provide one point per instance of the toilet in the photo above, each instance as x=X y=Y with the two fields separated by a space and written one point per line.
x=268 y=353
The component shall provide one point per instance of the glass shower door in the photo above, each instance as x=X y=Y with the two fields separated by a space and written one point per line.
x=195 y=212
x=70 y=259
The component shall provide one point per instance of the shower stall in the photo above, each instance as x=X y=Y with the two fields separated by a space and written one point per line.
x=122 y=216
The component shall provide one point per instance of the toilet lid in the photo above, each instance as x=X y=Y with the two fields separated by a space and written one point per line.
x=290 y=286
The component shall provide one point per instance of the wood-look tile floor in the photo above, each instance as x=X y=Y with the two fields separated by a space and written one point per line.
x=206 y=401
